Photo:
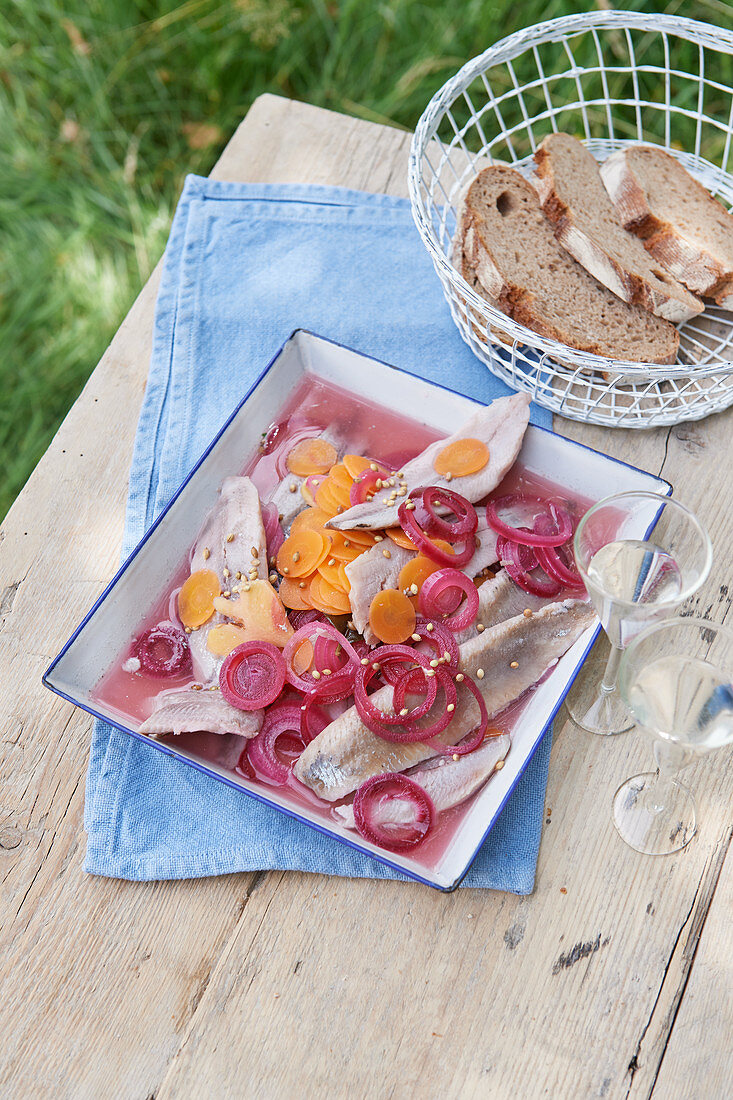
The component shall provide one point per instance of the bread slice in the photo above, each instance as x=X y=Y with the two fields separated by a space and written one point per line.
x=586 y=224
x=684 y=228
x=510 y=246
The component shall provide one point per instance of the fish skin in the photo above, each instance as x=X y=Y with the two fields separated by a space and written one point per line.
x=446 y=781
x=499 y=599
x=501 y=425
x=236 y=512
x=346 y=753
x=187 y=711
x=371 y=573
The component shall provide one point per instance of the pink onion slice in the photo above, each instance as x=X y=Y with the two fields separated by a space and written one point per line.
x=447 y=582
x=301 y=618
x=383 y=793
x=285 y=719
x=557 y=561
x=393 y=727
x=466 y=520
x=558 y=516
x=311 y=632
x=252 y=676
x=473 y=739
x=367 y=484
x=426 y=546
x=426 y=730
x=510 y=556
x=162 y=650
x=274 y=536
x=440 y=638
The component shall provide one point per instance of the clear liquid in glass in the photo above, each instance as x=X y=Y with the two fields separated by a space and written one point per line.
x=686 y=700
x=631 y=571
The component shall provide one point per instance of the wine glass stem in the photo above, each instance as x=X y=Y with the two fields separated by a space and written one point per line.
x=610 y=675
x=669 y=759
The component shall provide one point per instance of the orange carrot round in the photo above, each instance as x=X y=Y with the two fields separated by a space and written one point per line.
x=464 y=457
x=328 y=599
x=356 y=465
x=196 y=598
x=311 y=456
x=399 y=537
x=301 y=553
x=293 y=596
x=415 y=572
x=312 y=518
x=331 y=572
x=392 y=616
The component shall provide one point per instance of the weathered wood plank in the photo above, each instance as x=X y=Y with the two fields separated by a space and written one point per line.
x=280 y=984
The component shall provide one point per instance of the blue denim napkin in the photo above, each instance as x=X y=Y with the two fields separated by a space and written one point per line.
x=245 y=265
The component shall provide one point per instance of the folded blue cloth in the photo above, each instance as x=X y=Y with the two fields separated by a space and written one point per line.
x=245 y=265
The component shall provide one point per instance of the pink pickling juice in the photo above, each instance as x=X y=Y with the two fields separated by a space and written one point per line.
x=390 y=440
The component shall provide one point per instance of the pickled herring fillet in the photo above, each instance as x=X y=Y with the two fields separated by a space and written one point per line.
x=448 y=782
x=372 y=572
x=500 y=599
x=232 y=541
x=346 y=753
x=500 y=425
x=204 y=711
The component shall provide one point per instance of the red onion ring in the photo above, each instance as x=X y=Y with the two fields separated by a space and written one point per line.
x=438 y=724
x=261 y=749
x=440 y=638
x=426 y=546
x=460 y=528
x=550 y=559
x=509 y=555
x=474 y=737
x=252 y=676
x=558 y=515
x=382 y=790
x=442 y=582
x=379 y=722
x=312 y=631
x=365 y=485
x=162 y=650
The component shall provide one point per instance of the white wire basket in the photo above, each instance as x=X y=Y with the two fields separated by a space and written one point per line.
x=613 y=79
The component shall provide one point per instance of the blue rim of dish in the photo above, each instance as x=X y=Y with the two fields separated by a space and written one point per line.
x=238 y=786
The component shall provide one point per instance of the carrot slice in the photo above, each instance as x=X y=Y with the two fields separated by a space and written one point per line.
x=416 y=571
x=339 y=549
x=327 y=598
x=392 y=616
x=293 y=596
x=331 y=573
x=345 y=582
x=360 y=538
x=311 y=518
x=196 y=598
x=356 y=465
x=311 y=456
x=339 y=475
x=465 y=456
x=340 y=493
x=302 y=658
x=399 y=537
x=301 y=553
x=221 y=640
x=325 y=499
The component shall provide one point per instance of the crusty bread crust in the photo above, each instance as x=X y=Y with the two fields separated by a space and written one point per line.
x=671 y=301
x=697 y=268
x=520 y=301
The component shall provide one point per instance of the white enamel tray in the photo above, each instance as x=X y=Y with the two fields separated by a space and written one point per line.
x=123 y=607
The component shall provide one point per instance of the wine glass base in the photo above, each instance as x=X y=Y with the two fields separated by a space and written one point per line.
x=606 y=716
x=651 y=828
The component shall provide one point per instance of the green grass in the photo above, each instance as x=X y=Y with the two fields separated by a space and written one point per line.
x=106 y=105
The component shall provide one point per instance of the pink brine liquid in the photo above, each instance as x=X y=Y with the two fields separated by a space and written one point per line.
x=370 y=429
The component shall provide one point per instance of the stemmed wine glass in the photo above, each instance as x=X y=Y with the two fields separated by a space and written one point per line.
x=676 y=678
x=640 y=555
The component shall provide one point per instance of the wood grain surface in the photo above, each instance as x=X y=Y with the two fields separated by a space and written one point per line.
x=612 y=980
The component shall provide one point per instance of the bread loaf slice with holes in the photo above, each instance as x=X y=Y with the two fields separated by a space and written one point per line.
x=510 y=246
x=682 y=226
x=586 y=223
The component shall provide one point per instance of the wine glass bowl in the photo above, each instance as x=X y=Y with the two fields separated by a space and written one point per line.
x=640 y=555
x=676 y=678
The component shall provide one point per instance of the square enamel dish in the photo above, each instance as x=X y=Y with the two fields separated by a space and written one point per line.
x=137 y=587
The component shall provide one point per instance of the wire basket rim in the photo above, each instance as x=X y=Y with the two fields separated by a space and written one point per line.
x=507 y=49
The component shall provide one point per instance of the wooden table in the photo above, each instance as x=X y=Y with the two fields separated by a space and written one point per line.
x=612 y=980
